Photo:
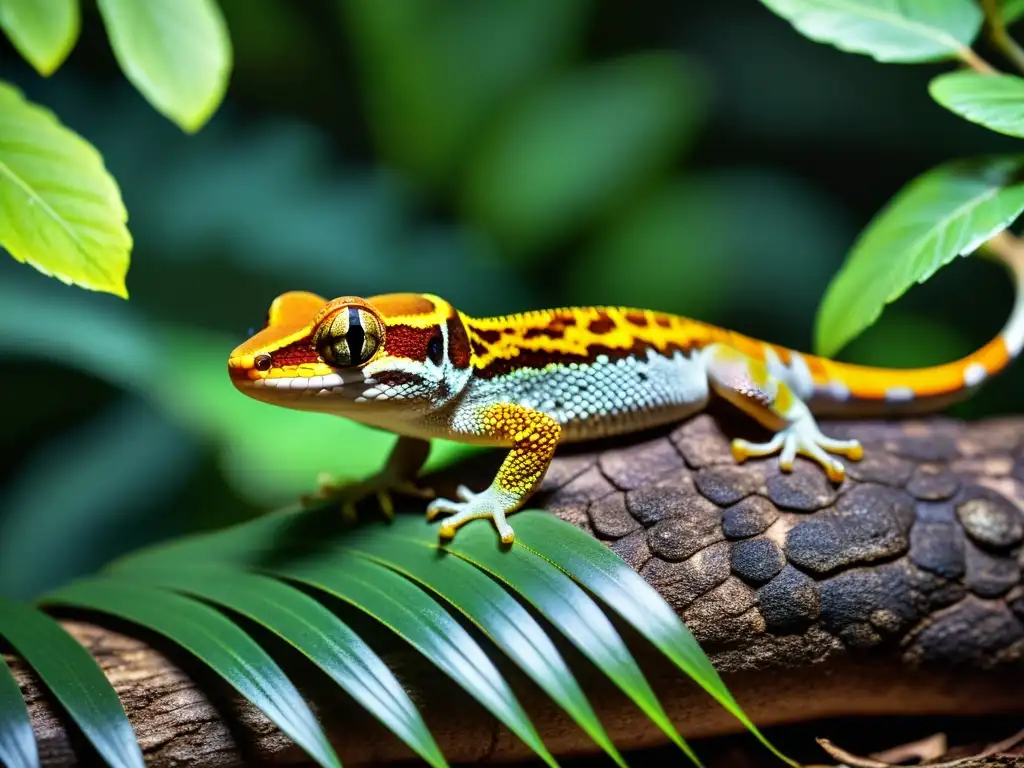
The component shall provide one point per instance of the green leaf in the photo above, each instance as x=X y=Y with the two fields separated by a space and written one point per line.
x=423 y=623
x=62 y=211
x=177 y=53
x=579 y=146
x=605 y=574
x=43 y=31
x=1012 y=10
x=994 y=101
x=317 y=633
x=215 y=640
x=886 y=30
x=17 y=742
x=496 y=612
x=944 y=213
x=569 y=608
x=74 y=678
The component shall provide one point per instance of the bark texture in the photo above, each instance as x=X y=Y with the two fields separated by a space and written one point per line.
x=899 y=592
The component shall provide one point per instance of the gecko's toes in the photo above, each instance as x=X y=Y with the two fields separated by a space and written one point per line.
x=476 y=506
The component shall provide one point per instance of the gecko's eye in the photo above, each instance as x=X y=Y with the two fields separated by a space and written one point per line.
x=349 y=337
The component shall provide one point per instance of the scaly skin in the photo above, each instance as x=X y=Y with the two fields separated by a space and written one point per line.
x=414 y=365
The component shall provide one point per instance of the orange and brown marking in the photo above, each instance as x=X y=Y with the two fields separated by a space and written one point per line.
x=579 y=335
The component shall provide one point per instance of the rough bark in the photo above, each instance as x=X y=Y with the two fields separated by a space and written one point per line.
x=899 y=592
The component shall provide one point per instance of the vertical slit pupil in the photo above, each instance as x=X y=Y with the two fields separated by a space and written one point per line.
x=355 y=336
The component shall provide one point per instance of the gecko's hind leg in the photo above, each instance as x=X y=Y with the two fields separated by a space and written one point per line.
x=747 y=383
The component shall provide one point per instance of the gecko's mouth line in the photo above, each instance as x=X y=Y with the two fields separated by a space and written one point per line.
x=317 y=386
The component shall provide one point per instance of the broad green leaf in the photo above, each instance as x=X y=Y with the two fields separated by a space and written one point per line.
x=944 y=213
x=74 y=678
x=887 y=30
x=43 y=31
x=17 y=742
x=60 y=210
x=1012 y=10
x=176 y=52
x=994 y=101
x=579 y=145
x=216 y=641
x=316 y=632
x=423 y=623
x=605 y=574
x=570 y=609
x=496 y=612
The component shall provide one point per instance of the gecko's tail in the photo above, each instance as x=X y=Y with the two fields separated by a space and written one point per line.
x=844 y=388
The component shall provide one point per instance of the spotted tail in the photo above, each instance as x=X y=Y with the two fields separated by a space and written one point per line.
x=840 y=388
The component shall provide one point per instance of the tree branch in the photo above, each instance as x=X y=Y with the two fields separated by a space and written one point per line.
x=898 y=593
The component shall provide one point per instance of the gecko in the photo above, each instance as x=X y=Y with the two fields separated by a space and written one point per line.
x=414 y=365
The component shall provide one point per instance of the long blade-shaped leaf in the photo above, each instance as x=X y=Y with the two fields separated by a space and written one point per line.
x=317 y=633
x=565 y=605
x=215 y=640
x=609 y=577
x=424 y=624
x=493 y=610
x=946 y=212
x=74 y=678
x=17 y=743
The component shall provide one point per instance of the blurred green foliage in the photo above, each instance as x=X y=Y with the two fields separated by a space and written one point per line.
x=696 y=158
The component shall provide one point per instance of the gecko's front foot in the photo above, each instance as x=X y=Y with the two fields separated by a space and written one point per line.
x=805 y=439
x=490 y=504
x=348 y=495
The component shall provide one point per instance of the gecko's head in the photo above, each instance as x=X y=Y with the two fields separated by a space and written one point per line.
x=351 y=355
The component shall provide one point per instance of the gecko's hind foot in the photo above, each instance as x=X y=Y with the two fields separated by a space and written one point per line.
x=473 y=506
x=348 y=495
x=804 y=440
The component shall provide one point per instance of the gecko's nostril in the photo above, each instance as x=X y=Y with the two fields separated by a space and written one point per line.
x=263 y=362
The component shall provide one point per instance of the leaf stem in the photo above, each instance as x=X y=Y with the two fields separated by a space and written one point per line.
x=1000 y=36
x=975 y=62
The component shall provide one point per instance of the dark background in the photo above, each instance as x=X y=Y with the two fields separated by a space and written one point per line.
x=701 y=158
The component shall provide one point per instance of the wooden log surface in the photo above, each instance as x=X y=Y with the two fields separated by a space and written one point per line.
x=899 y=592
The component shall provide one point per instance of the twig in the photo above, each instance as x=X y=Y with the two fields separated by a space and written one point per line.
x=975 y=62
x=1000 y=36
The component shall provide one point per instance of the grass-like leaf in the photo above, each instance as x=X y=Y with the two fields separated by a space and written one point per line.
x=570 y=609
x=75 y=679
x=386 y=570
x=994 y=101
x=491 y=608
x=317 y=633
x=423 y=623
x=944 y=213
x=176 y=52
x=214 y=639
x=608 y=576
x=43 y=31
x=17 y=742
x=887 y=30
x=63 y=212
